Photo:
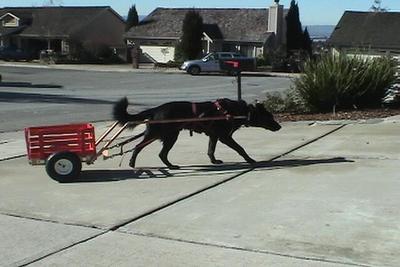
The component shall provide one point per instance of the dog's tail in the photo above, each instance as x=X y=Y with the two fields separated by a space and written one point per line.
x=120 y=113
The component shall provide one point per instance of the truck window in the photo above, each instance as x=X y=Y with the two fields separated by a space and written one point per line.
x=226 y=55
x=210 y=56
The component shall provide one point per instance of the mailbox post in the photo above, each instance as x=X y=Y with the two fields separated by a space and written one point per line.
x=233 y=67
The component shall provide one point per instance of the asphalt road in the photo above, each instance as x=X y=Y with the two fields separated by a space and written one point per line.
x=31 y=96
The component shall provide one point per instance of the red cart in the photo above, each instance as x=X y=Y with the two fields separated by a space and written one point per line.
x=63 y=148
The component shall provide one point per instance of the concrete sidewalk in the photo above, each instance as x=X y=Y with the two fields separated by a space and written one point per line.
x=322 y=194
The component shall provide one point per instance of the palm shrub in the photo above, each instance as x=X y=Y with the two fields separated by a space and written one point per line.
x=342 y=82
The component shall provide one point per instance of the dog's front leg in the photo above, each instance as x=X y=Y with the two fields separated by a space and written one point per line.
x=212 y=143
x=235 y=146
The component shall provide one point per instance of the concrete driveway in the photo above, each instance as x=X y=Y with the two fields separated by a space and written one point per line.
x=321 y=195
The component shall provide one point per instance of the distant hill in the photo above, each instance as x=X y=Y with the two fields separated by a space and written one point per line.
x=320 y=31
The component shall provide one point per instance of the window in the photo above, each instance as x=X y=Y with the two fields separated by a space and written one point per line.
x=226 y=55
x=10 y=20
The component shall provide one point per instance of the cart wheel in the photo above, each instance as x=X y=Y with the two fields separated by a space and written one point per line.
x=63 y=166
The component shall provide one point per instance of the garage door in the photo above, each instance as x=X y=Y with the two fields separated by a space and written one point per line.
x=161 y=54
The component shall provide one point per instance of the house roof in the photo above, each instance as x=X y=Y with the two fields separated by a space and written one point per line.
x=230 y=24
x=367 y=30
x=54 y=21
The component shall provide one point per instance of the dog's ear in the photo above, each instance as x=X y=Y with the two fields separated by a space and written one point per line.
x=260 y=106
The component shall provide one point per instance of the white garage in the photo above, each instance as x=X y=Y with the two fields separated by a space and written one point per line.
x=161 y=54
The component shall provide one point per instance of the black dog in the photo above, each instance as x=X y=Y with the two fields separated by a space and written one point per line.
x=237 y=114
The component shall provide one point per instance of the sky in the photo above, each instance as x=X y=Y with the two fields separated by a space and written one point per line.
x=312 y=12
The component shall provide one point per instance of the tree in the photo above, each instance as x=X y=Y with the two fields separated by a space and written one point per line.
x=133 y=18
x=294 y=32
x=297 y=39
x=377 y=6
x=192 y=32
x=307 y=42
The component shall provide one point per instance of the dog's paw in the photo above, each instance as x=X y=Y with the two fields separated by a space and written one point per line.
x=174 y=167
x=132 y=165
x=217 y=161
x=251 y=161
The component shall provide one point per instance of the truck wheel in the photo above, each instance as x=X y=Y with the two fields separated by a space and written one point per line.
x=63 y=166
x=194 y=70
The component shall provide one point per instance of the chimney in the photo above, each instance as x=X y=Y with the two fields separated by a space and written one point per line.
x=276 y=21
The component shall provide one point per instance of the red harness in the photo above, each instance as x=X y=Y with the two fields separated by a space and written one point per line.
x=220 y=108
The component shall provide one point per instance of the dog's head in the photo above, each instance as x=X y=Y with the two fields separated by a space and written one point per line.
x=260 y=117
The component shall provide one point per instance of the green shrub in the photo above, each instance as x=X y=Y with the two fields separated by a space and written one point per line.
x=284 y=102
x=261 y=61
x=178 y=56
x=342 y=82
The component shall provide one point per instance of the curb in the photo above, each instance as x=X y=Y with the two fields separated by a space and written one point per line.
x=126 y=69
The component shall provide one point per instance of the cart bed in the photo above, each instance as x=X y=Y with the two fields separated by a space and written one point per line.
x=44 y=141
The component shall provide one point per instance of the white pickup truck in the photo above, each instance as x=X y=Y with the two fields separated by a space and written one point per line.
x=211 y=63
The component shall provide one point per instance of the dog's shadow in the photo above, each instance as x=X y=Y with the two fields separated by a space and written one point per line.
x=199 y=170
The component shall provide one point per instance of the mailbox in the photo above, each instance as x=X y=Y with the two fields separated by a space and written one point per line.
x=231 y=66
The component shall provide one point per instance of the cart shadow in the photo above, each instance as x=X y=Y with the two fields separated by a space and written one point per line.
x=89 y=176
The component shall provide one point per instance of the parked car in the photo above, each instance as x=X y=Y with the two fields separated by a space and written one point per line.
x=212 y=63
x=9 y=54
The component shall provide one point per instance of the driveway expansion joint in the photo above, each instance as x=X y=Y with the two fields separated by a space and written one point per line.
x=259 y=251
x=309 y=142
x=50 y=221
x=13 y=157
x=64 y=248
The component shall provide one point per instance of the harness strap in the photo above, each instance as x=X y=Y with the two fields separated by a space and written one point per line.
x=194 y=111
x=194 y=108
x=248 y=118
x=220 y=108
x=228 y=116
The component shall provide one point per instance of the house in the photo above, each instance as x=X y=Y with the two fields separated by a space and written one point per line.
x=367 y=33
x=251 y=31
x=61 y=29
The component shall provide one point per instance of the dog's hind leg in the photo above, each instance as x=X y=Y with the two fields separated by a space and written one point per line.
x=212 y=143
x=235 y=146
x=146 y=141
x=168 y=142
